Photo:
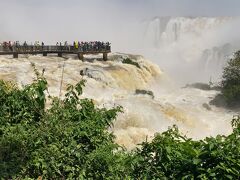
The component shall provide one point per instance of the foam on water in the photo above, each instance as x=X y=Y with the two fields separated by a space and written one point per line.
x=114 y=83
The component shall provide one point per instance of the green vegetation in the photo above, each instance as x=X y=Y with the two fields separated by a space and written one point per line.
x=172 y=156
x=231 y=80
x=70 y=140
x=129 y=61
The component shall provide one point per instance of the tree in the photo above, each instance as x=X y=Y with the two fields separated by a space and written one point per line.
x=231 y=80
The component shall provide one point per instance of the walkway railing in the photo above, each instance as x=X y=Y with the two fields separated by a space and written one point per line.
x=32 y=49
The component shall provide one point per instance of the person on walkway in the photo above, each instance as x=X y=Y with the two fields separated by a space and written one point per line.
x=17 y=46
x=25 y=46
x=42 y=45
x=60 y=46
x=66 y=47
x=76 y=45
x=10 y=45
x=57 y=44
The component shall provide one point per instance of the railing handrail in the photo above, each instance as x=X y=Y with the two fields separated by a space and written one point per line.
x=55 y=48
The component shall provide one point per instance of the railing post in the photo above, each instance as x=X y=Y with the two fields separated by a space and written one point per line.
x=105 y=56
x=15 y=55
x=80 y=56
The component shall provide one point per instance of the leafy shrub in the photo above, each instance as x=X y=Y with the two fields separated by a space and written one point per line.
x=129 y=61
x=172 y=156
x=70 y=140
x=231 y=80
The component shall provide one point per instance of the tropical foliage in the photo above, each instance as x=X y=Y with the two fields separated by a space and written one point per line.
x=231 y=80
x=69 y=139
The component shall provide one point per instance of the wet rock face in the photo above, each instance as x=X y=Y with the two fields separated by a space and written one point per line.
x=147 y=92
x=202 y=86
x=220 y=101
x=206 y=106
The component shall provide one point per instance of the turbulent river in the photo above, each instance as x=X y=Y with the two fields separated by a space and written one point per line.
x=113 y=83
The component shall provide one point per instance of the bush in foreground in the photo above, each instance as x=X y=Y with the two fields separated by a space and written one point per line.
x=70 y=140
x=172 y=156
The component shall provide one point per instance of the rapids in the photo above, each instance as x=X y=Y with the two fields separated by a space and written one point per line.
x=113 y=83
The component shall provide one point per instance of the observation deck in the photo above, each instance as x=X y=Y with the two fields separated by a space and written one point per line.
x=59 y=50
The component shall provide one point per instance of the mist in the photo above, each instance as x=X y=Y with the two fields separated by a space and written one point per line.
x=126 y=24
x=95 y=19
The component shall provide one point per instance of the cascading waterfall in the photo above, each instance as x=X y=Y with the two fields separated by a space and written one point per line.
x=187 y=46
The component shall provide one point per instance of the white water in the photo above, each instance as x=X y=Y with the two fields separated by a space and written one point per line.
x=113 y=83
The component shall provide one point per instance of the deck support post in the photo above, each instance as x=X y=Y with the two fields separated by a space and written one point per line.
x=45 y=54
x=15 y=55
x=105 y=57
x=80 y=56
x=59 y=54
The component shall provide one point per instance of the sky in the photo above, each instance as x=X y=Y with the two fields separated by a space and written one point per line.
x=122 y=22
x=56 y=20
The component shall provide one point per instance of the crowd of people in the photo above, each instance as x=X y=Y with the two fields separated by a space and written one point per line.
x=91 y=46
x=37 y=46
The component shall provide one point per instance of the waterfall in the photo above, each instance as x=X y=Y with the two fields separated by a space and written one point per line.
x=187 y=46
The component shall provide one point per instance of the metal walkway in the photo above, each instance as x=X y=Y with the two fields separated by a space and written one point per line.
x=59 y=50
